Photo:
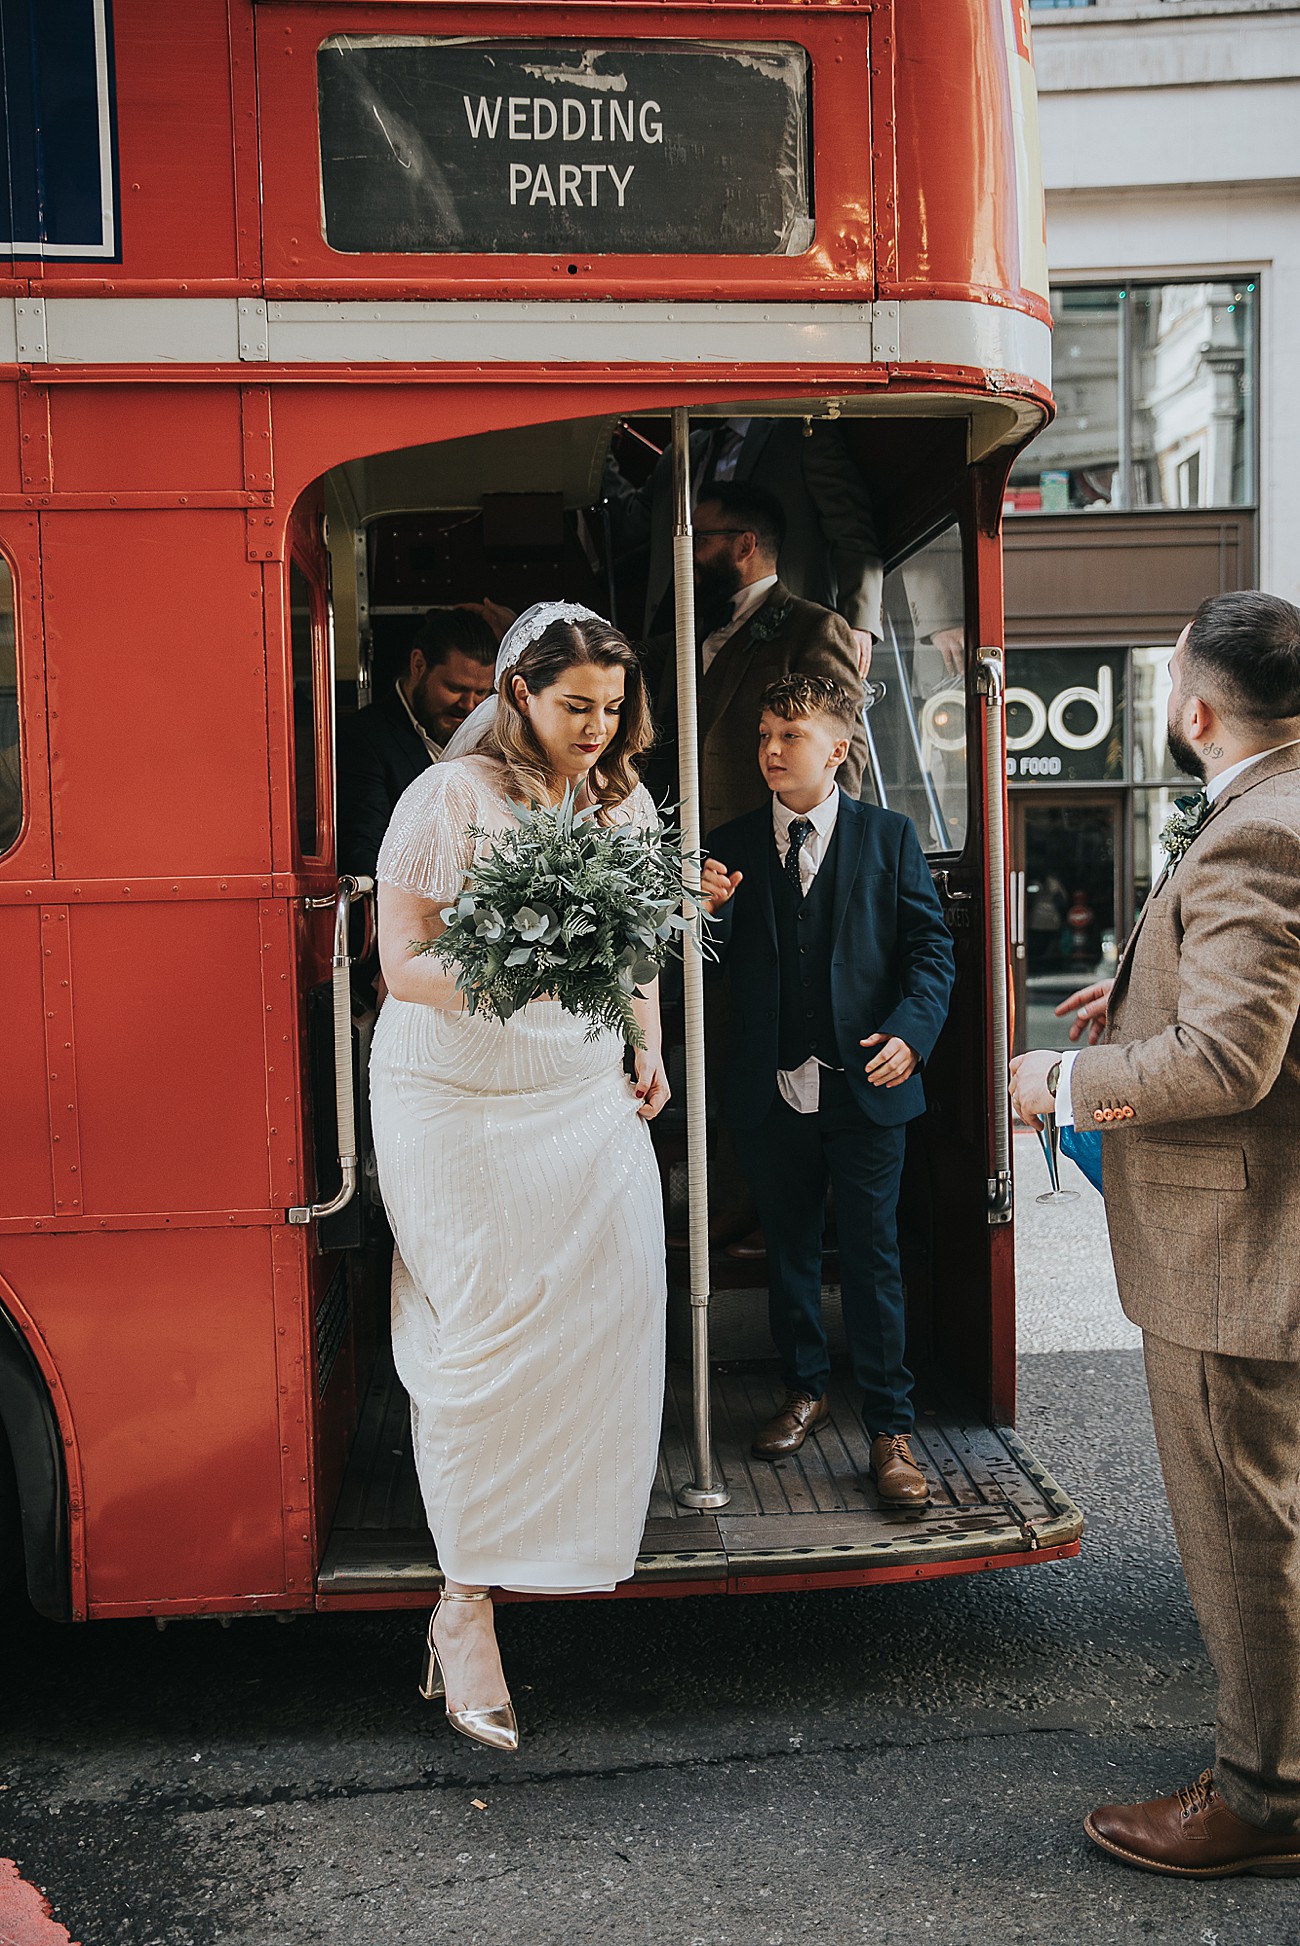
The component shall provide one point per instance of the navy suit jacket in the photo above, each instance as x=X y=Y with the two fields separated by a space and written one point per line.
x=380 y=752
x=891 y=957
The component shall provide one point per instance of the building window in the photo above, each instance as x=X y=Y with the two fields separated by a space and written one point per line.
x=1155 y=396
x=11 y=770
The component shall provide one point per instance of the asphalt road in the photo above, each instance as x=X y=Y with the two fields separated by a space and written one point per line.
x=887 y=1765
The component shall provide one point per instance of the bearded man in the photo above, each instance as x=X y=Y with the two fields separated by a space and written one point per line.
x=384 y=748
x=1195 y=1087
x=752 y=632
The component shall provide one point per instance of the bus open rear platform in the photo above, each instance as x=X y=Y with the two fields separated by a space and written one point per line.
x=809 y=1521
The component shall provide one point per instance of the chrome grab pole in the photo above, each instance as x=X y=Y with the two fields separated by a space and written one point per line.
x=706 y=1489
x=349 y=888
x=990 y=682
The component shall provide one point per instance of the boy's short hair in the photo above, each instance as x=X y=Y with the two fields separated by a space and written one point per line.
x=794 y=696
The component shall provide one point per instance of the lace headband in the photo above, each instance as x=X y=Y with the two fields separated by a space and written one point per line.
x=521 y=634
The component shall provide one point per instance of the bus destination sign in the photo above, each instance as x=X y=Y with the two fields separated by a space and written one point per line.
x=673 y=147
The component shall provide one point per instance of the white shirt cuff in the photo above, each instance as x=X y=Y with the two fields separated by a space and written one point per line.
x=1064 y=1105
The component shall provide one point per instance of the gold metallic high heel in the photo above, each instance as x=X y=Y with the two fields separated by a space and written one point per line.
x=495 y=1727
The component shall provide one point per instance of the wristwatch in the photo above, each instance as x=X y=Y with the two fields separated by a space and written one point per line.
x=1053 y=1078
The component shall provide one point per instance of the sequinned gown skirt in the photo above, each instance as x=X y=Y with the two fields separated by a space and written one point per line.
x=528 y=1292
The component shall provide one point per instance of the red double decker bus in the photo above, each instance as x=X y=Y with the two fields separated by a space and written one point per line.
x=319 y=313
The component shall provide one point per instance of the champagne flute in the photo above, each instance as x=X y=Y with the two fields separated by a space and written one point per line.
x=1049 y=1142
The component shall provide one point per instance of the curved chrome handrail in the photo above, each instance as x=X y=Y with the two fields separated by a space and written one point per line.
x=349 y=888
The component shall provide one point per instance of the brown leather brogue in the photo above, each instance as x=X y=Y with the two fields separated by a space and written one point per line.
x=749 y=1249
x=1192 y=1835
x=786 y=1431
x=899 y=1480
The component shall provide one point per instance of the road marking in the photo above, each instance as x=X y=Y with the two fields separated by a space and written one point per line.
x=25 y=1913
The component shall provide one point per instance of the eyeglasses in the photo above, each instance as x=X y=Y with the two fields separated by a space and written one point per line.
x=706 y=533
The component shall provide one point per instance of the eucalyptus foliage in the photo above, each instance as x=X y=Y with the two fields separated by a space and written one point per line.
x=561 y=907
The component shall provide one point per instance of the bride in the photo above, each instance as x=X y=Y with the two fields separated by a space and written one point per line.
x=518 y=1176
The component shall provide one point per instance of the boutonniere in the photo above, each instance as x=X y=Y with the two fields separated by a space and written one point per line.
x=769 y=621
x=1190 y=813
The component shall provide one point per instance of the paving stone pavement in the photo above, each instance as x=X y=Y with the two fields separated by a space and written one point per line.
x=887 y=1765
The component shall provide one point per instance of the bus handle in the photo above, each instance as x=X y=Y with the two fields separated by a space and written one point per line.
x=990 y=682
x=349 y=888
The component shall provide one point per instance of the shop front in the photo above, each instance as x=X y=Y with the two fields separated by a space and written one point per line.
x=1138 y=501
x=1091 y=786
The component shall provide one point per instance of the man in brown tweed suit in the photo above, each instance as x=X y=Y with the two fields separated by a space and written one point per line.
x=754 y=632
x=1196 y=1088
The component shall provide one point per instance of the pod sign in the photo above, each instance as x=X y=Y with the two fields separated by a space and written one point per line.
x=1064 y=718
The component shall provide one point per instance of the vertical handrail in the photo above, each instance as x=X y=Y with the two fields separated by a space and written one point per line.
x=705 y=1489
x=991 y=684
x=349 y=888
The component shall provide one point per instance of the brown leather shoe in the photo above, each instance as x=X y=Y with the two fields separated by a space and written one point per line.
x=749 y=1249
x=899 y=1480
x=785 y=1433
x=1192 y=1835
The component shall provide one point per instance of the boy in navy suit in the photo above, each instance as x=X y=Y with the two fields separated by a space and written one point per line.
x=840 y=969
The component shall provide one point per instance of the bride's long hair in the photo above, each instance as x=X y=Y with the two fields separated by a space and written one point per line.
x=567 y=645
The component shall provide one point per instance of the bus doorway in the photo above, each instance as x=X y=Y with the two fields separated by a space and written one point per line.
x=417 y=529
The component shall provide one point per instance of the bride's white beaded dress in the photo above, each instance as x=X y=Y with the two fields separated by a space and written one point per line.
x=528 y=1286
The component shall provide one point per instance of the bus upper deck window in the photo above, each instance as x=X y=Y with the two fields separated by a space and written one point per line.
x=11 y=773
x=916 y=729
x=537 y=147
x=302 y=646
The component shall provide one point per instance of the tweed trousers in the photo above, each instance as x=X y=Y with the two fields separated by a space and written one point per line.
x=1228 y=1430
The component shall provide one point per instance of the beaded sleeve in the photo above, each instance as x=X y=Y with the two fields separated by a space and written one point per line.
x=427 y=848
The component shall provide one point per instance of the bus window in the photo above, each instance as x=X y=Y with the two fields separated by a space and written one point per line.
x=11 y=774
x=304 y=711
x=916 y=727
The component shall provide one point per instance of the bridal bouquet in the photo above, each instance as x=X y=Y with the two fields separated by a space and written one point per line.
x=564 y=908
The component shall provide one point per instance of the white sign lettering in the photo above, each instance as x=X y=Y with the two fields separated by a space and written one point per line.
x=573 y=177
x=536 y=118
x=943 y=728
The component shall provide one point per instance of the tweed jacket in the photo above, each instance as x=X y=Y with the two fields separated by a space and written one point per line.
x=1197 y=1085
x=782 y=636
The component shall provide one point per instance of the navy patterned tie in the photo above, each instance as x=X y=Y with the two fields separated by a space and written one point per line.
x=799 y=829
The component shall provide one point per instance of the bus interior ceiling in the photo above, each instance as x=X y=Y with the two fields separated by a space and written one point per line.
x=517 y=516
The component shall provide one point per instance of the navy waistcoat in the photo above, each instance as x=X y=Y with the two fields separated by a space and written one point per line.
x=804 y=939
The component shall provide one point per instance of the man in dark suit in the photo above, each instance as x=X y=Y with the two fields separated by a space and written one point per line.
x=829 y=553
x=384 y=748
x=840 y=970
x=754 y=630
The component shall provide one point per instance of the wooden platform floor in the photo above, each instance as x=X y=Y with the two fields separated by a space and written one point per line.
x=813 y=1514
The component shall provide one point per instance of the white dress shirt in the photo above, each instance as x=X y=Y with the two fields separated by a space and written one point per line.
x=743 y=604
x=801 y=1087
x=434 y=749
x=822 y=818
x=1215 y=788
x=1217 y=785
